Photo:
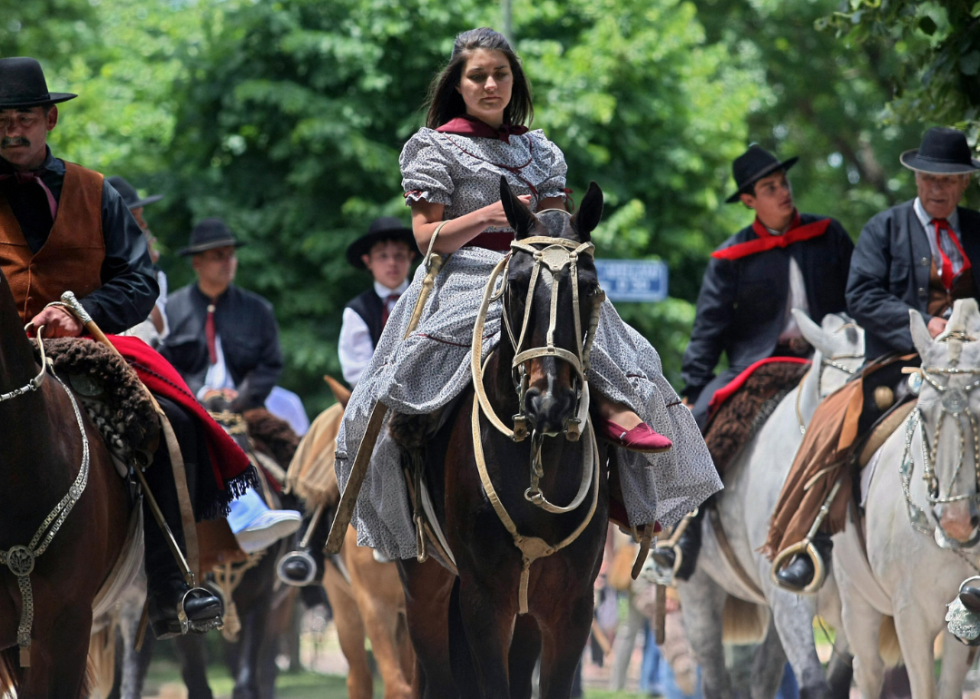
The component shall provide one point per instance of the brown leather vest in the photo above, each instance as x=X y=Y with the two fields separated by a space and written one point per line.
x=70 y=259
x=939 y=299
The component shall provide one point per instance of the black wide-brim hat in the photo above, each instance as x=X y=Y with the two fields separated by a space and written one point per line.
x=129 y=194
x=383 y=228
x=209 y=234
x=22 y=85
x=942 y=152
x=752 y=166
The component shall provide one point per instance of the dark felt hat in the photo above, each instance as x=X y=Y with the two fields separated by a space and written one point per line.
x=129 y=193
x=209 y=234
x=382 y=228
x=22 y=84
x=942 y=152
x=752 y=166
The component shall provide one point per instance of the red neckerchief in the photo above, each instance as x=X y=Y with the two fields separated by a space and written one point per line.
x=469 y=126
x=768 y=241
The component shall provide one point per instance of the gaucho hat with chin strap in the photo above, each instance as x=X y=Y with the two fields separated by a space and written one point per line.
x=381 y=228
x=22 y=85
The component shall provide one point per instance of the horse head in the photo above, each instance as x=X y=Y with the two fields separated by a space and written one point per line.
x=551 y=300
x=949 y=405
x=218 y=404
x=839 y=345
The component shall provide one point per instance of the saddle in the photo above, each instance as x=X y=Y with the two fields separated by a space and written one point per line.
x=112 y=395
x=740 y=409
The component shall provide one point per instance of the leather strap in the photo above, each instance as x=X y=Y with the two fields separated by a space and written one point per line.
x=187 y=520
x=726 y=550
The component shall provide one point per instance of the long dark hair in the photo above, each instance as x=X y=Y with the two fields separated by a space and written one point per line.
x=445 y=102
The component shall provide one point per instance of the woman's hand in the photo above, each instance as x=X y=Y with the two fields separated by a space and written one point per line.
x=495 y=216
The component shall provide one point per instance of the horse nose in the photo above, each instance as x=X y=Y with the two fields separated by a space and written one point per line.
x=959 y=521
x=548 y=410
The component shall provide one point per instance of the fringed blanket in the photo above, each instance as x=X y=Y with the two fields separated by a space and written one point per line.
x=742 y=407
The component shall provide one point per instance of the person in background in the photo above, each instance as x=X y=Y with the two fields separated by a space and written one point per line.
x=155 y=327
x=386 y=251
x=224 y=338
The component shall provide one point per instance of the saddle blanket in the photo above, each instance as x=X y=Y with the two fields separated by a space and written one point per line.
x=740 y=408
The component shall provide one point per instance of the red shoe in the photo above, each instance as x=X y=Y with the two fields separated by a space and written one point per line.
x=641 y=438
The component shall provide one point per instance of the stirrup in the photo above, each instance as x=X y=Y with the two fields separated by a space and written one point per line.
x=302 y=555
x=181 y=626
x=819 y=567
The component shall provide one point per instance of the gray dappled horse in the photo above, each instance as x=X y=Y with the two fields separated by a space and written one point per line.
x=918 y=539
x=752 y=486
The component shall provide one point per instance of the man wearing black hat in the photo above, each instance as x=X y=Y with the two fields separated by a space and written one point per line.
x=784 y=260
x=155 y=327
x=63 y=228
x=225 y=338
x=916 y=255
x=222 y=336
x=387 y=251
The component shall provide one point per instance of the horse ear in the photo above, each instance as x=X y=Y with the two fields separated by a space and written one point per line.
x=812 y=332
x=920 y=333
x=518 y=215
x=589 y=212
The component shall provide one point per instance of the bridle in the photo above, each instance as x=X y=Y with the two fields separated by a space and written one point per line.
x=20 y=559
x=954 y=403
x=549 y=262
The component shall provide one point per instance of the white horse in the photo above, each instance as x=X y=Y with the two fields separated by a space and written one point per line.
x=753 y=482
x=917 y=540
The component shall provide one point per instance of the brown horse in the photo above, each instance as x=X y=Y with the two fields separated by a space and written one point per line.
x=42 y=453
x=491 y=649
x=365 y=594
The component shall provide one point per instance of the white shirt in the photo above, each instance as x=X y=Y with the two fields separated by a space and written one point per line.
x=949 y=247
x=218 y=376
x=796 y=298
x=355 y=347
x=161 y=301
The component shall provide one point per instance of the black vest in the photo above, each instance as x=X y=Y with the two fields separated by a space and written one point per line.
x=371 y=309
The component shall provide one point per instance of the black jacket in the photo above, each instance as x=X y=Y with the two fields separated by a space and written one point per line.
x=890 y=274
x=741 y=309
x=249 y=340
x=129 y=286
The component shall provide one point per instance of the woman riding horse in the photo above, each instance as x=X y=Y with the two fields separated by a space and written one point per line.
x=451 y=174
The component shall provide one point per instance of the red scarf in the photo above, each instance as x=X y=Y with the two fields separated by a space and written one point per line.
x=470 y=126
x=768 y=241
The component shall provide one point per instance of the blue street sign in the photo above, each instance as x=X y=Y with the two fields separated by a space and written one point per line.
x=633 y=280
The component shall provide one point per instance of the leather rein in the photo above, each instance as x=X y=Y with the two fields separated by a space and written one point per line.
x=549 y=262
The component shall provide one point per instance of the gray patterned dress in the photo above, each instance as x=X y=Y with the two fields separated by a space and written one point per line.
x=431 y=367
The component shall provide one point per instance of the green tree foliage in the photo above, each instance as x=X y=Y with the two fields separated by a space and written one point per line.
x=826 y=106
x=933 y=47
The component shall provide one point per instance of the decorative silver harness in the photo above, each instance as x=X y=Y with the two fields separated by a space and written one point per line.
x=955 y=402
x=20 y=559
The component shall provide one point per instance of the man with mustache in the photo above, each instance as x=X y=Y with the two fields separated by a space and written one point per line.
x=63 y=227
x=783 y=260
x=916 y=255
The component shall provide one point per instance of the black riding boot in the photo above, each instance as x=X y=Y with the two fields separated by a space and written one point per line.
x=800 y=571
x=166 y=589
x=689 y=545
